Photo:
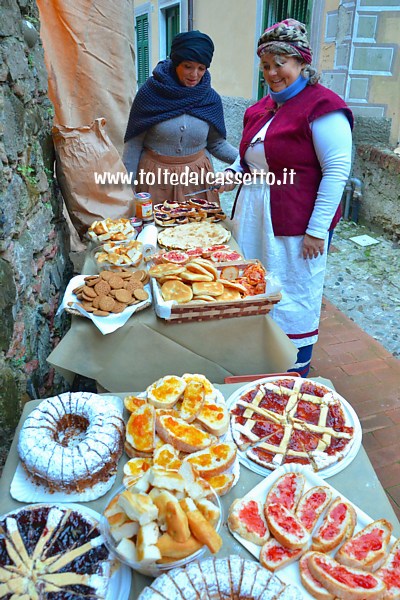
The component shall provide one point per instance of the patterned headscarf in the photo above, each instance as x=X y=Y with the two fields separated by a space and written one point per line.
x=291 y=35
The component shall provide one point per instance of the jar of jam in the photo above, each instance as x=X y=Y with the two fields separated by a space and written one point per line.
x=143 y=206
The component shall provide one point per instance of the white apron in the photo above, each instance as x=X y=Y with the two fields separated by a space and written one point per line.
x=298 y=313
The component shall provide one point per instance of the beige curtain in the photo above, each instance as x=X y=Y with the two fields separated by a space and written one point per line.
x=89 y=55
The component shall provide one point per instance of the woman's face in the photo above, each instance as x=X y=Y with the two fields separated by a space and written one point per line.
x=280 y=71
x=190 y=73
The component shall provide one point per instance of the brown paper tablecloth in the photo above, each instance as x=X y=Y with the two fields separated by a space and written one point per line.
x=147 y=348
x=358 y=482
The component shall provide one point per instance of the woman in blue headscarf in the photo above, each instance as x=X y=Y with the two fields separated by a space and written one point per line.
x=177 y=121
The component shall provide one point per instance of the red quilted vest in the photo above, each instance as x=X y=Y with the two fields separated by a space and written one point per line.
x=288 y=144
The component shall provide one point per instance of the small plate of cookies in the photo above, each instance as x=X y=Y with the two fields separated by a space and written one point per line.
x=108 y=299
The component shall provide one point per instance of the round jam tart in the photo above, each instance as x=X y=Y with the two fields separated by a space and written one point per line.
x=51 y=551
x=289 y=420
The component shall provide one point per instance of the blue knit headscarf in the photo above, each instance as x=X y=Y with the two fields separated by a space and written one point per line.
x=162 y=97
x=192 y=45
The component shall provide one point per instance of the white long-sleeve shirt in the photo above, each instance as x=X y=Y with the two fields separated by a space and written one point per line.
x=332 y=141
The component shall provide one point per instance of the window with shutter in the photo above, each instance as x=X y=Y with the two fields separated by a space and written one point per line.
x=277 y=10
x=172 y=26
x=142 y=48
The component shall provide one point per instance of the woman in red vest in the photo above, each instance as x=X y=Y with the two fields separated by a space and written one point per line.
x=295 y=158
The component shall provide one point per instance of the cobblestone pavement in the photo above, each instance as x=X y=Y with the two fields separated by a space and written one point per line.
x=364 y=283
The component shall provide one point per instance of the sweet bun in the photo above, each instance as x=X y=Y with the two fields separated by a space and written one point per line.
x=181 y=435
x=222 y=483
x=274 y=556
x=287 y=490
x=367 y=549
x=229 y=295
x=165 y=392
x=286 y=527
x=338 y=525
x=214 y=460
x=389 y=572
x=312 y=585
x=210 y=288
x=176 y=290
x=193 y=400
x=140 y=429
x=311 y=506
x=345 y=582
x=214 y=417
x=246 y=518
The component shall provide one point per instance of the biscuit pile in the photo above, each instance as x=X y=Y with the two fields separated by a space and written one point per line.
x=110 y=293
x=168 y=214
x=200 y=281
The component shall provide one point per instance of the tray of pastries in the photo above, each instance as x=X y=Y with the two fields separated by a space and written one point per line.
x=180 y=420
x=296 y=524
x=169 y=214
x=111 y=230
x=200 y=289
x=230 y=578
x=284 y=419
x=193 y=235
x=57 y=551
x=163 y=521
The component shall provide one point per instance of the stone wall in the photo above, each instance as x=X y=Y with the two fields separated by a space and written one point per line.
x=379 y=170
x=34 y=261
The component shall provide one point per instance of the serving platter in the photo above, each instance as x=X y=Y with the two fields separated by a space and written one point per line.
x=234 y=469
x=351 y=419
x=291 y=573
x=121 y=578
x=24 y=489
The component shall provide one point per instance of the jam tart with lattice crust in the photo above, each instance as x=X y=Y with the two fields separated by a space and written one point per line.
x=53 y=553
x=291 y=420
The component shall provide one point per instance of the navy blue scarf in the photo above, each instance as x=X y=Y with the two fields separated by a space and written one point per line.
x=162 y=97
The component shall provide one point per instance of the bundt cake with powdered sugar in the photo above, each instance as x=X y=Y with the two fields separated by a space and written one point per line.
x=72 y=441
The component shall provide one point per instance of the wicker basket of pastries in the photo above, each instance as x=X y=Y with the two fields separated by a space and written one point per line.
x=202 y=289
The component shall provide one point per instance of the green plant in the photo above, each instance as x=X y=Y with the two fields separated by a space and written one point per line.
x=31 y=62
x=49 y=174
x=32 y=20
x=18 y=363
x=28 y=173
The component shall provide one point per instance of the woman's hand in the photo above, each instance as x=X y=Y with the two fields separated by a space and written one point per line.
x=312 y=246
x=227 y=181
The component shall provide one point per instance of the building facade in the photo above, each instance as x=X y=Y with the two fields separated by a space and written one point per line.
x=355 y=46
